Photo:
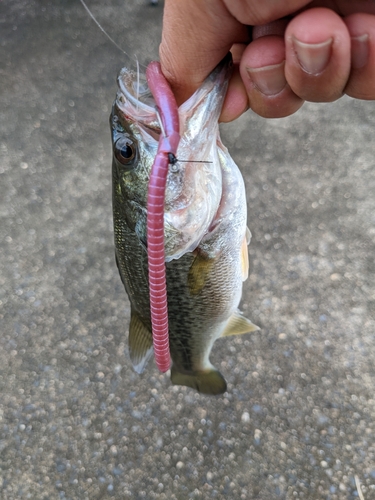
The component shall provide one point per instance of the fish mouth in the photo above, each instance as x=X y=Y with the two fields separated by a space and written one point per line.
x=135 y=100
x=194 y=186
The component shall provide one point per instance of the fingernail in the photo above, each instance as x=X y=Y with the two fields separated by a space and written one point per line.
x=360 y=51
x=313 y=57
x=270 y=80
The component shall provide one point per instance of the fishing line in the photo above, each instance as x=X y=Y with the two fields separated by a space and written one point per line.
x=154 y=2
x=107 y=35
x=172 y=159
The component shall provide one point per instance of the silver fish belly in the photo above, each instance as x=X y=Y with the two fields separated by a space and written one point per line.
x=206 y=236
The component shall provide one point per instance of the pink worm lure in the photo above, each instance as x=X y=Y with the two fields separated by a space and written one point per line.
x=166 y=154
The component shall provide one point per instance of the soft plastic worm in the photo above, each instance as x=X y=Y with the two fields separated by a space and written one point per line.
x=167 y=149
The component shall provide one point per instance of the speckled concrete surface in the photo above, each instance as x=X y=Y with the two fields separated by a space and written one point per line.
x=298 y=420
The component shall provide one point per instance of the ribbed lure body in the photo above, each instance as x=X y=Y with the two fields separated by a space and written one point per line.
x=168 y=143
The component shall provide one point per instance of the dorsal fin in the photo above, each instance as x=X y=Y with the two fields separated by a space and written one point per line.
x=238 y=324
x=140 y=343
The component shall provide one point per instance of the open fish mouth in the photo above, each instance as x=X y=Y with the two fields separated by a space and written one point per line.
x=194 y=184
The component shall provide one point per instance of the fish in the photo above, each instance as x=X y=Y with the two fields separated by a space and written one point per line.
x=206 y=236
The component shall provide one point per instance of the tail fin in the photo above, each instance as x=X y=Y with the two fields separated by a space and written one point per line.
x=207 y=382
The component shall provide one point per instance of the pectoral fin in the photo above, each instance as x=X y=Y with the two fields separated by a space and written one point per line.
x=198 y=273
x=207 y=382
x=140 y=343
x=245 y=255
x=238 y=324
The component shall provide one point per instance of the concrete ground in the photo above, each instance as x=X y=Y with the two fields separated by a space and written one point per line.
x=298 y=420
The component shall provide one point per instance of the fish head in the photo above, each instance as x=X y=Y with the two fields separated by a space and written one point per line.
x=193 y=189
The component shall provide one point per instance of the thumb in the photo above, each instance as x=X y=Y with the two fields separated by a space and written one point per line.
x=196 y=37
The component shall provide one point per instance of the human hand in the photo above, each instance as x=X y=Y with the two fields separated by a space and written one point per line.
x=322 y=50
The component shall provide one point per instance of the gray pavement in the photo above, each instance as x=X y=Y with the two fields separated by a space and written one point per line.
x=76 y=422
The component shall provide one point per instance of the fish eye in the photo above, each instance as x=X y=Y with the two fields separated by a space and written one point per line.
x=124 y=150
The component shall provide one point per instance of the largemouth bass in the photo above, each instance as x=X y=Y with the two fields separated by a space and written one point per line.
x=205 y=231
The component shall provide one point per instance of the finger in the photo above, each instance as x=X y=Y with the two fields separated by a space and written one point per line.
x=262 y=71
x=346 y=7
x=236 y=100
x=317 y=55
x=361 y=83
x=259 y=13
x=198 y=34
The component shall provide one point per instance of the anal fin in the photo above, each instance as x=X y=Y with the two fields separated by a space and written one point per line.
x=140 y=343
x=238 y=324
